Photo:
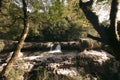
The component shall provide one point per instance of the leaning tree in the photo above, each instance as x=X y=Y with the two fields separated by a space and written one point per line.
x=19 y=46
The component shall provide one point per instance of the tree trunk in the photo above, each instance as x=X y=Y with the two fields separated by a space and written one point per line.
x=14 y=57
x=112 y=30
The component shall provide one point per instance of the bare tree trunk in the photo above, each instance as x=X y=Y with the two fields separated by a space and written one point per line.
x=14 y=57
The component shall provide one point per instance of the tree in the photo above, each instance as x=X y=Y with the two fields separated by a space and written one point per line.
x=79 y=26
x=108 y=35
x=49 y=20
x=19 y=46
x=10 y=20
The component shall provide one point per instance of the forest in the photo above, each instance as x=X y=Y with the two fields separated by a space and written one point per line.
x=59 y=40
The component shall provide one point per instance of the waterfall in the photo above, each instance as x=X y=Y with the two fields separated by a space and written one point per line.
x=55 y=48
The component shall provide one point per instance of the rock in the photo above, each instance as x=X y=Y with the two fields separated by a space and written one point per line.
x=100 y=63
x=99 y=56
x=28 y=66
x=85 y=1
x=67 y=72
x=10 y=55
x=90 y=63
x=88 y=44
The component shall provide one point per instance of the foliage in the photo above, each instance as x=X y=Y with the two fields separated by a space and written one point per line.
x=49 y=20
x=10 y=27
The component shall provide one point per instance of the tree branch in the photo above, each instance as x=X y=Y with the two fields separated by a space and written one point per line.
x=97 y=38
x=93 y=19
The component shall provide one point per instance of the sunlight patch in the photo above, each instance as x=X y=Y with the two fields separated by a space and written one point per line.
x=103 y=56
x=67 y=72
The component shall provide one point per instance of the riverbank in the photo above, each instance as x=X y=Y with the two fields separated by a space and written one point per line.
x=68 y=65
